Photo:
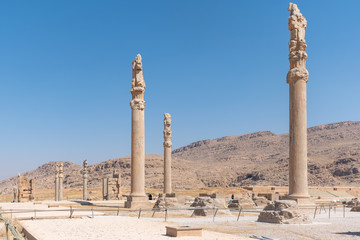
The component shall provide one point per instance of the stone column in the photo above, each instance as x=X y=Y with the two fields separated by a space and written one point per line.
x=105 y=189
x=167 y=154
x=61 y=180
x=56 y=182
x=137 y=135
x=85 y=179
x=297 y=78
x=19 y=188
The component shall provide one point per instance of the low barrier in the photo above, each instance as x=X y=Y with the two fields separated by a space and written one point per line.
x=9 y=226
x=326 y=208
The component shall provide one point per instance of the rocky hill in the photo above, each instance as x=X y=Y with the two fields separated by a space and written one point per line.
x=259 y=158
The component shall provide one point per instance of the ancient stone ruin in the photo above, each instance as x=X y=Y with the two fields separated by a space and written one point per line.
x=166 y=202
x=283 y=212
x=354 y=204
x=112 y=187
x=167 y=154
x=25 y=190
x=85 y=179
x=137 y=197
x=205 y=204
x=297 y=78
x=59 y=180
x=244 y=202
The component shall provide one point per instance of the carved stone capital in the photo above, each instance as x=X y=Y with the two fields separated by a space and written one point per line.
x=167 y=133
x=167 y=144
x=137 y=73
x=137 y=104
x=167 y=130
x=297 y=73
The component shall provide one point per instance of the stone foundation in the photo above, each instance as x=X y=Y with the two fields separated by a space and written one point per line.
x=137 y=202
x=283 y=212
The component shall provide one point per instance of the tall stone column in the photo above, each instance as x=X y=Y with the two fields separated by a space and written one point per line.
x=56 y=182
x=61 y=181
x=137 y=136
x=297 y=78
x=167 y=154
x=105 y=189
x=85 y=179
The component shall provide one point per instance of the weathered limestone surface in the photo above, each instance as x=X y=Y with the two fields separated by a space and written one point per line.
x=244 y=203
x=85 y=179
x=202 y=203
x=112 y=187
x=61 y=181
x=167 y=202
x=137 y=196
x=25 y=191
x=167 y=153
x=284 y=212
x=353 y=202
x=15 y=194
x=56 y=182
x=297 y=78
x=355 y=209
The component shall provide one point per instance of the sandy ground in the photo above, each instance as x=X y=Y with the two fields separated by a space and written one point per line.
x=109 y=227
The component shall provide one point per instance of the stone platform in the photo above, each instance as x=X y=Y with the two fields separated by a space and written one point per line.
x=138 y=202
x=183 y=231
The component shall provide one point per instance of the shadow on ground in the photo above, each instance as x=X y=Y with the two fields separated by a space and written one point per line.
x=349 y=233
x=86 y=203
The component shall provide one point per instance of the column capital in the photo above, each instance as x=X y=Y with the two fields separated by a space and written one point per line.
x=137 y=104
x=167 y=144
x=297 y=73
x=297 y=45
x=167 y=130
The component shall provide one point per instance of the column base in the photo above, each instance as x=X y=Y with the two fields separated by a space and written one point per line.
x=170 y=195
x=138 y=202
x=301 y=200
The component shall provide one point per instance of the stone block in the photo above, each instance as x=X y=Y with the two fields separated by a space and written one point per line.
x=183 y=231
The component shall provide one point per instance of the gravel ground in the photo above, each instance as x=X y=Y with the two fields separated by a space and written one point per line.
x=27 y=210
x=322 y=228
x=109 y=227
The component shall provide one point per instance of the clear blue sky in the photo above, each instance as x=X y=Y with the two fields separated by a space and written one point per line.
x=219 y=68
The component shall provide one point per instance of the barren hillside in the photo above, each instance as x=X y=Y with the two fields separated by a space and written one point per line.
x=259 y=158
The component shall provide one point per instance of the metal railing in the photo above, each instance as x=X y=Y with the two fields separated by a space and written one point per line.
x=36 y=213
x=8 y=225
x=117 y=210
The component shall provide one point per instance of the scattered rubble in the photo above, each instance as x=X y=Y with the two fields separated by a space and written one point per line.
x=283 y=212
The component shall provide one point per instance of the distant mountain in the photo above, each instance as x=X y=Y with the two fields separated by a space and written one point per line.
x=259 y=158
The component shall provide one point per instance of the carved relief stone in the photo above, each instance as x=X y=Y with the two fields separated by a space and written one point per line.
x=25 y=191
x=297 y=45
x=167 y=130
x=138 y=85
